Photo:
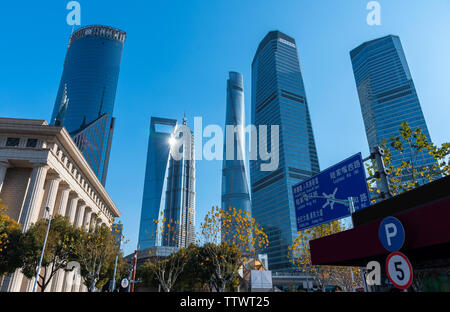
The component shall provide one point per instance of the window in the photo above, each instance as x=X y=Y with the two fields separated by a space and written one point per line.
x=31 y=142
x=12 y=142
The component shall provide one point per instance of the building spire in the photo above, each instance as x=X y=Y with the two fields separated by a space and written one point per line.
x=62 y=108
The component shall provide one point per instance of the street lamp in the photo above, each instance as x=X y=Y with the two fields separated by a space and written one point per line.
x=43 y=249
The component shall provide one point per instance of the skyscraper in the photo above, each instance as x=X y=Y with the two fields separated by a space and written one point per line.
x=169 y=187
x=387 y=94
x=278 y=98
x=235 y=191
x=85 y=100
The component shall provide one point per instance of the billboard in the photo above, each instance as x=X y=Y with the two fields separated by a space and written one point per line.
x=314 y=197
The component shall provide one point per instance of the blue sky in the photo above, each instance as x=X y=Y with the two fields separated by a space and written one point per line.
x=177 y=57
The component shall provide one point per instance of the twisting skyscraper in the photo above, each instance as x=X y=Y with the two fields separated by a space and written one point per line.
x=235 y=190
x=387 y=95
x=169 y=186
x=279 y=98
x=85 y=100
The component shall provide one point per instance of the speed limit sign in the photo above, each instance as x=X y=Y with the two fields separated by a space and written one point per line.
x=399 y=270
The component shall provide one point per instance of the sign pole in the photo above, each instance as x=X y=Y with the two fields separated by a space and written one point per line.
x=43 y=249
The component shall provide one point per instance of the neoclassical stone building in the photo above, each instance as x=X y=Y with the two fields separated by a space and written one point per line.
x=40 y=166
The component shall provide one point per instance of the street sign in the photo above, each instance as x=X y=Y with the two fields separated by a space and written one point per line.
x=399 y=270
x=341 y=181
x=391 y=234
x=124 y=283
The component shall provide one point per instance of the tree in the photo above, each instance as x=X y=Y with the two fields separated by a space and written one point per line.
x=95 y=250
x=229 y=238
x=195 y=277
x=108 y=271
x=10 y=243
x=58 y=251
x=300 y=256
x=145 y=275
x=413 y=145
x=167 y=267
x=223 y=262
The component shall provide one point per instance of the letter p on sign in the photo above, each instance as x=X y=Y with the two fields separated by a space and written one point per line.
x=391 y=231
x=391 y=234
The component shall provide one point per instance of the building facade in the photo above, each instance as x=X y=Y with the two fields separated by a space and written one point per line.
x=85 y=101
x=235 y=190
x=169 y=187
x=387 y=94
x=40 y=166
x=279 y=98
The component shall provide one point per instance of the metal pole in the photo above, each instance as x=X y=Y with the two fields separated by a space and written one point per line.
x=43 y=250
x=113 y=284
x=377 y=153
x=133 y=277
x=351 y=208
x=129 y=279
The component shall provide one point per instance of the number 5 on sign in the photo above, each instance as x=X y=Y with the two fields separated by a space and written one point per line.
x=399 y=270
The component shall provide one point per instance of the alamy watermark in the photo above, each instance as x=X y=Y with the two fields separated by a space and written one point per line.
x=74 y=16
x=264 y=143
x=374 y=16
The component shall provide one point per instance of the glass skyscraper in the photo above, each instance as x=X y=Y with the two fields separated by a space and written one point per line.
x=85 y=100
x=169 y=188
x=278 y=98
x=235 y=190
x=387 y=94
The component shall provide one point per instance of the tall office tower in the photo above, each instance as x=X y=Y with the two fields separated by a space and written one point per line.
x=169 y=187
x=85 y=100
x=278 y=98
x=235 y=190
x=387 y=94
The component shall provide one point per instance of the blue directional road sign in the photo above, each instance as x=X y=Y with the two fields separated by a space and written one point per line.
x=391 y=234
x=341 y=181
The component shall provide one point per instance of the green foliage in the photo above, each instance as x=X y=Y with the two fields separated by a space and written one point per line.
x=194 y=277
x=10 y=243
x=299 y=255
x=223 y=262
x=59 y=249
x=95 y=250
x=412 y=145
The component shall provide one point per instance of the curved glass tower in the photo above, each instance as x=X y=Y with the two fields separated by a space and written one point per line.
x=279 y=98
x=85 y=100
x=235 y=190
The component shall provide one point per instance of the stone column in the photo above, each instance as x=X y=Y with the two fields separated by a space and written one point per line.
x=13 y=282
x=68 y=282
x=33 y=197
x=72 y=208
x=87 y=218
x=64 y=280
x=58 y=281
x=94 y=221
x=63 y=202
x=53 y=185
x=3 y=168
x=80 y=215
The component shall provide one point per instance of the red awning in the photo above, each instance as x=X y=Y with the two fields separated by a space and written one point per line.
x=427 y=236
